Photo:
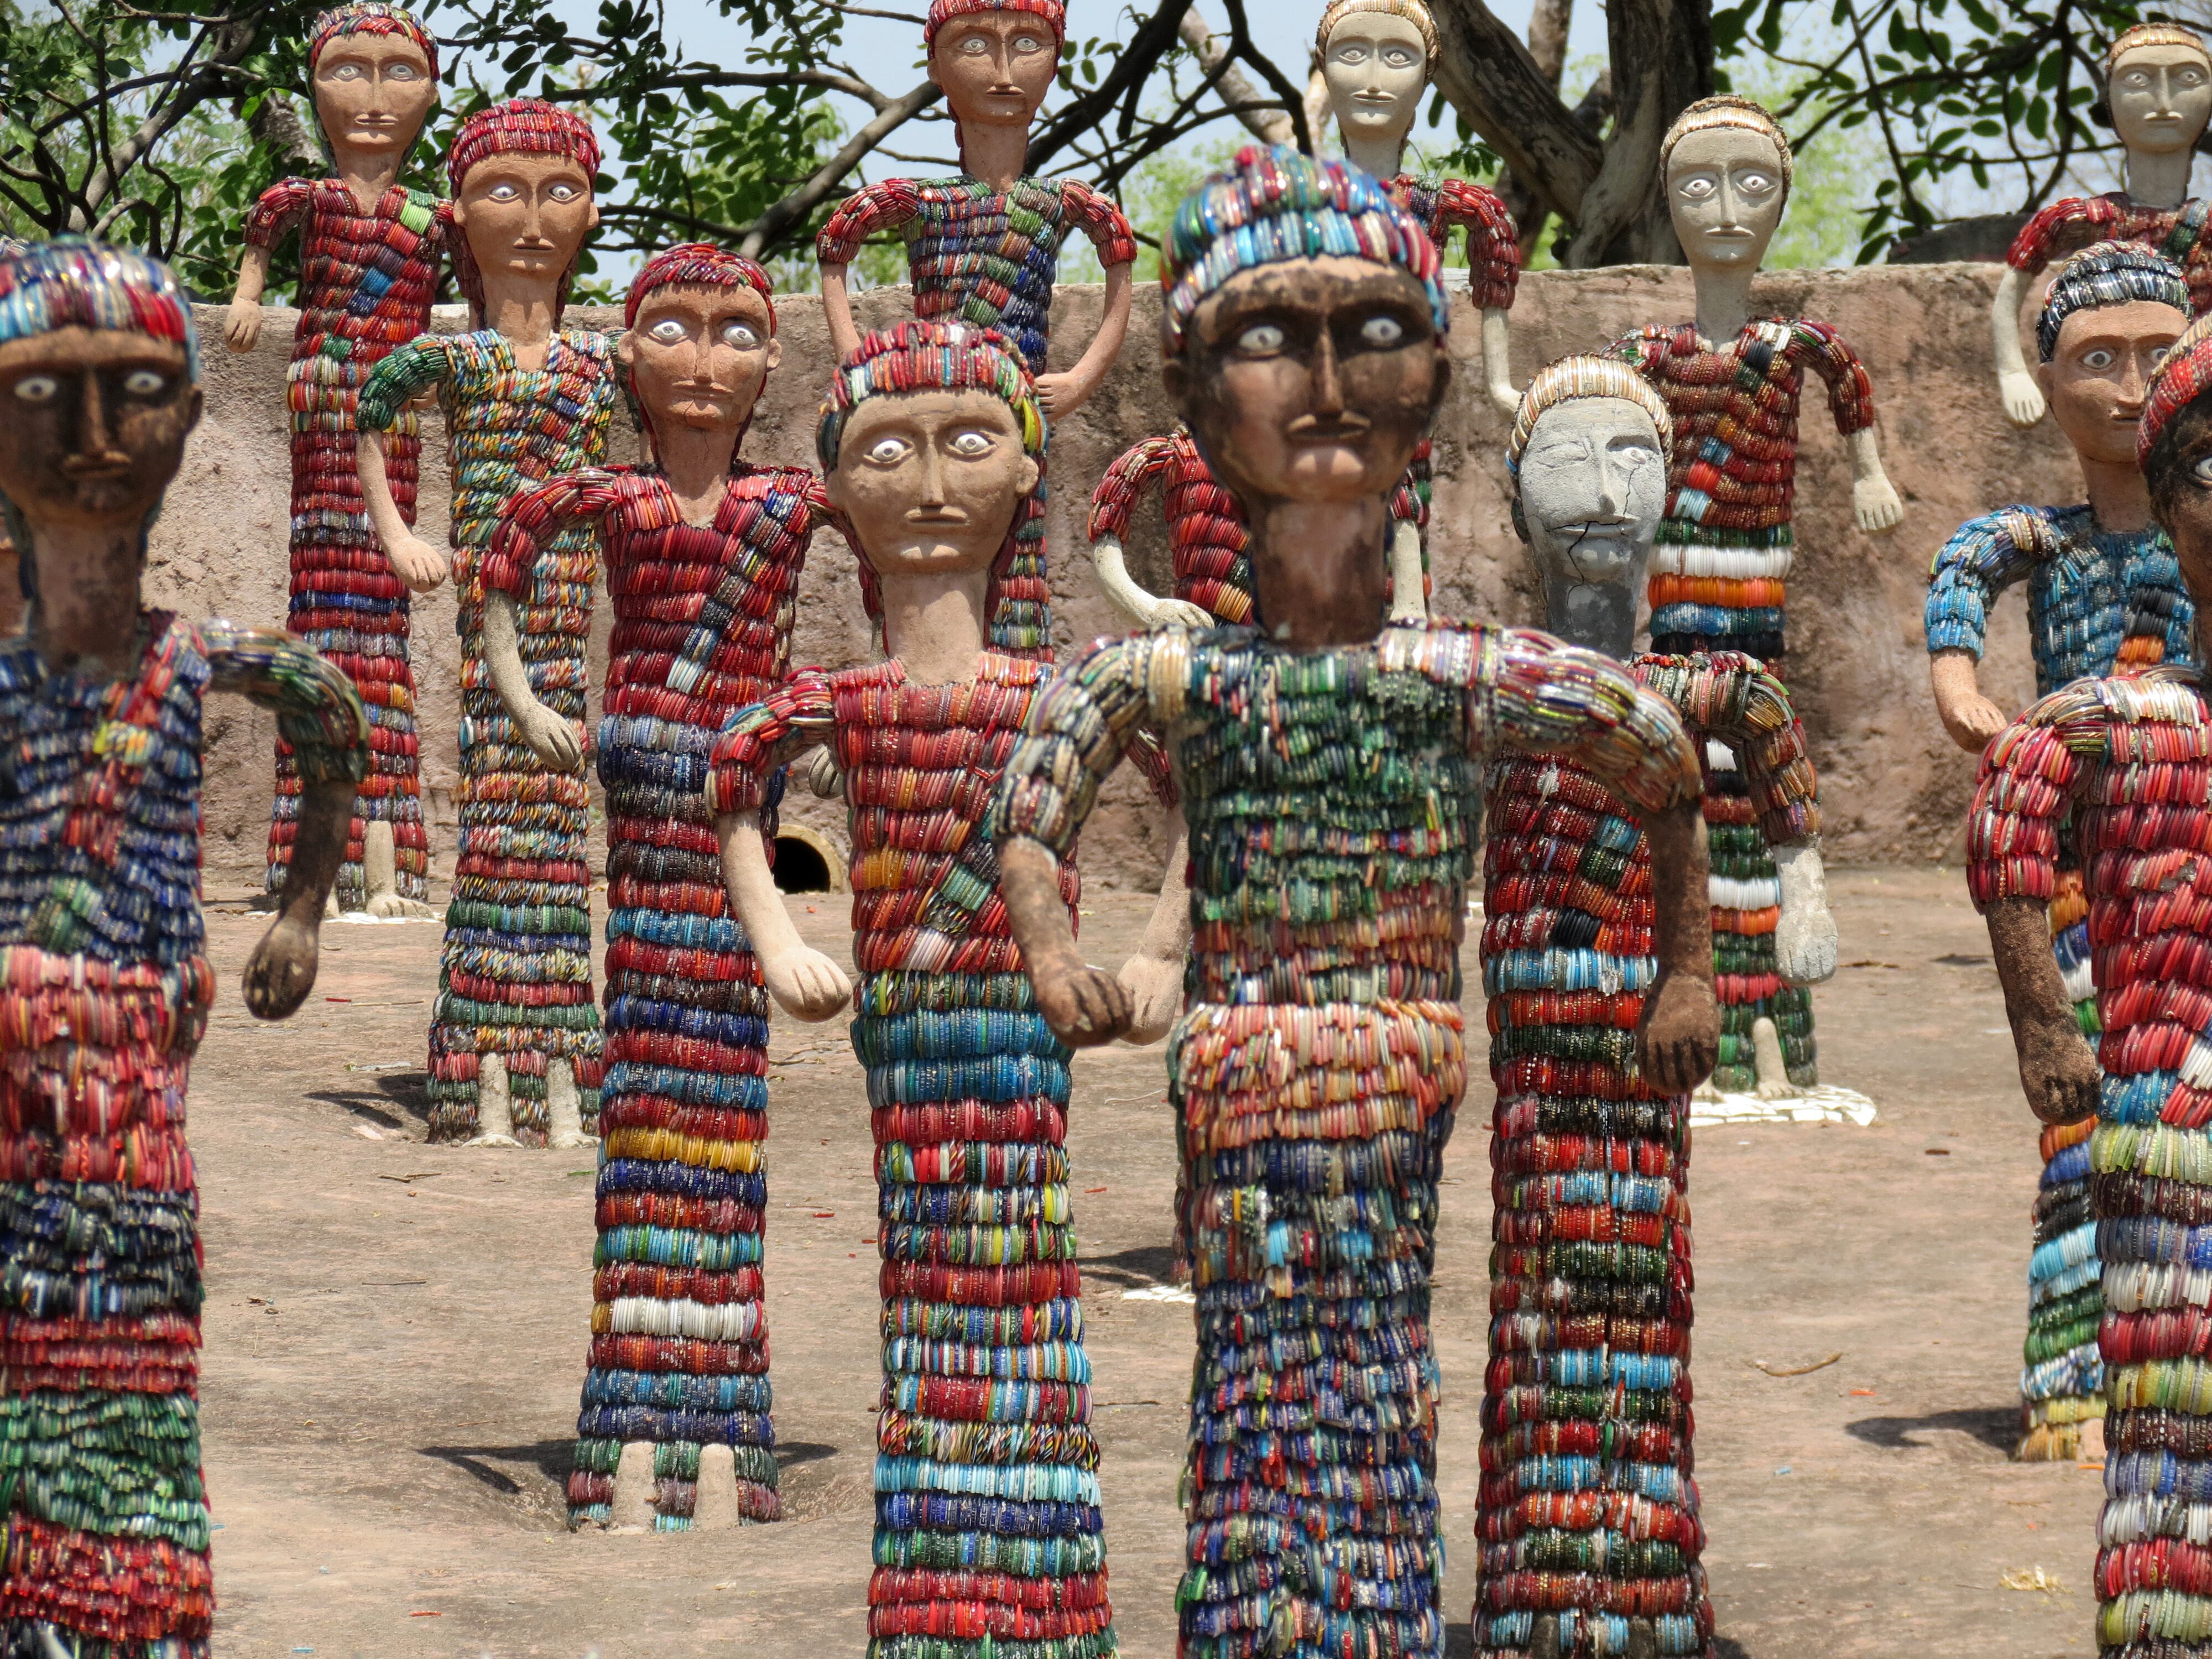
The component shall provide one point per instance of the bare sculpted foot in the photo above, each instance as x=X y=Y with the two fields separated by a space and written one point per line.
x=495 y=1105
x=379 y=874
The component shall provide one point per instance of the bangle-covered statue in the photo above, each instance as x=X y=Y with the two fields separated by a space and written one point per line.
x=1719 y=569
x=2105 y=596
x=988 y=1537
x=703 y=553
x=370 y=250
x=2118 y=771
x=2158 y=97
x=514 y=1038
x=1329 y=767
x=105 y=984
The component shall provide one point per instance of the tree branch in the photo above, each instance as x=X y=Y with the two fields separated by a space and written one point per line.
x=794 y=209
x=1155 y=37
x=1269 y=125
x=1489 y=78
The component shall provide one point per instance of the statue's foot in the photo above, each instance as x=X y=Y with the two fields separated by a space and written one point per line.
x=2091 y=1446
x=1708 y=1090
x=391 y=907
x=1778 y=1088
x=569 y=1140
x=564 y=1107
x=331 y=910
x=495 y=1105
x=491 y=1139
x=633 y=1506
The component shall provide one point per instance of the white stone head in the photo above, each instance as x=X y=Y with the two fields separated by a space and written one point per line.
x=2158 y=89
x=1726 y=167
x=1375 y=57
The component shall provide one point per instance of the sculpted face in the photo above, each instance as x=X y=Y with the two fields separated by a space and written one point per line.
x=1376 y=68
x=931 y=480
x=526 y=214
x=699 y=355
x=2161 y=99
x=1593 y=487
x=373 y=92
x=996 y=67
x=93 y=424
x=1724 y=193
x=2181 y=498
x=1311 y=379
x=2099 y=374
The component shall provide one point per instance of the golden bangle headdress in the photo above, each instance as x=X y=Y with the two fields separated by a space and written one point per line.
x=1584 y=376
x=1726 y=111
x=1412 y=11
x=2152 y=34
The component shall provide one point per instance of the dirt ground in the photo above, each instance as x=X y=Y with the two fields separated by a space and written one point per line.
x=395 y=1337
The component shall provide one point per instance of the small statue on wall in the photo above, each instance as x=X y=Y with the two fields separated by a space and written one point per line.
x=2158 y=96
x=515 y=1045
x=1317 y=1069
x=985 y=1450
x=2104 y=597
x=703 y=552
x=370 y=250
x=105 y=984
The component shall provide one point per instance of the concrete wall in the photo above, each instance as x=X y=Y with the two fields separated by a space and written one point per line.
x=1891 y=785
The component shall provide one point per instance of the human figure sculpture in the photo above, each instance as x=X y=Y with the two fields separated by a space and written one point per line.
x=370 y=250
x=703 y=552
x=2118 y=770
x=2105 y=596
x=1565 y=961
x=1329 y=766
x=2158 y=95
x=987 y=1535
x=1719 y=569
x=102 y=954
x=515 y=1043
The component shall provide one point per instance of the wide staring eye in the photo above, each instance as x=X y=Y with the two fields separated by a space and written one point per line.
x=2158 y=354
x=667 y=331
x=503 y=191
x=2098 y=358
x=888 y=451
x=346 y=72
x=975 y=45
x=1754 y=184
x=1026 y=43
x=562 y=190
x=741 y=335
x=1696 y=188
x=145 y=382
x=401 y=72
x=970 y=445
x=1261 y=336
x=2202 y=470
x=1382 y=333
x=1400 y=56
x=37 y=388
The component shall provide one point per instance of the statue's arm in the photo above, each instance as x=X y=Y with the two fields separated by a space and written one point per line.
x=874 y=209
x=393 y=384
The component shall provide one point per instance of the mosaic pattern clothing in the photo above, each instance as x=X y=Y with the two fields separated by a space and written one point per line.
x=365 y=284
x=988 y=1539
x=1588 y=1509
x=1333 y=803
x=704 y=617
x=2068 y=226
x=2118 y=770
x=1493 y=241
x=104 y=989
x=516 y=974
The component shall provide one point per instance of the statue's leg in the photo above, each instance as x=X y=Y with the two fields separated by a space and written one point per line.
x=564 y=1117
x=1767 y=1061
x=494 y=1104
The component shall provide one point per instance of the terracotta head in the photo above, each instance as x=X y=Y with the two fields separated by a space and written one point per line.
x=374 y=70
x=2174 y=447
x=996 y=59
x=2158 y=89
x=1375 y=56
x=522 y=173
x=932 y=447
x=1725 y=163
x=698 y=341
x=2108 y=319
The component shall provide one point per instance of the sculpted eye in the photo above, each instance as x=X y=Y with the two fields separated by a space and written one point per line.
x=1351 y=51
x=741 y=335
x=503 y=191
x=1695 y=188
x=145 y=382
x=562 y=191
x=1260 y=338
x=1400 y=56
x=667 y=331
x=2158 y=354
x=1026 y=43
x=975 y=45
x=1755 y=184
x=970 y=445
x=346 y=72
x=37 y=388
x=403 y=72
x=888 y=452
x=2098 y=358
x=1382 y=333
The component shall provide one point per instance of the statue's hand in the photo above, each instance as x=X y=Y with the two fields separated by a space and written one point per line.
x=553 y=740
x=282 y=969
x=1177 y=613
x=1063 y=394
x=1875 y=504
x=2023 y=399
x=1972 y=720
x=1085 y=1006
x=1679 y=1037
x=241 y=329
x=417 y=563
x=1805 y=943
x=1154 y=989
x=807 y=984
x=823 y=776
x=2058 y=1070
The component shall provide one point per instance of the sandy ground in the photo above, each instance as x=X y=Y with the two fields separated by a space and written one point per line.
x=395 y=1337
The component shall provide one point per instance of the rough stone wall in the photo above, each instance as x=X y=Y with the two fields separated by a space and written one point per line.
x=1891 y=785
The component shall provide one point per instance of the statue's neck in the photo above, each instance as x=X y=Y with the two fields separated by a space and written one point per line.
x=933 y=625
x=1723 y=300
x=2159 y=181
x=1321 y=571
x=996 y=154
x=1597 y=618
x=94 y=575
x=1382 y=157
x=367 y=172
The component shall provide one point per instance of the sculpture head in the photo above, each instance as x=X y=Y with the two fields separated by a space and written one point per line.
x=373 y=70
x=1726 y=165
x=2158 y=89
x=1375 y=56
x=932 y=446
x=2110 y=317
x=99 y=389
x=521 y=174
x=2174 y=447
x=1588 y=461
x=1302 y=329
x=996 y=59
x=698 y=340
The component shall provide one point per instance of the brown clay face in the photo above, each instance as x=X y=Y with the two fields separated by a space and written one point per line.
x=699 y=355
x=2099 y=375
x=93 y=424
x=996 y=67
x=526 y=214
x=373 y=92
x=930 y=481
x=1312 y=379
x=2181 y=497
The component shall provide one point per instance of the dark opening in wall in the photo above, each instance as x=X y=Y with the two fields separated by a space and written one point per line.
x=798 y=867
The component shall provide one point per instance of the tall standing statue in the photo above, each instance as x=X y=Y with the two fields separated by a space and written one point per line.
x=514 y=1037
x=103 y=955
x=987 y=1536
x=369 y=255
x=2158 y=96
x=2120 y=770
x=703 y=552
x=1719 y=569
x=1329 y=766
x=2104 y=597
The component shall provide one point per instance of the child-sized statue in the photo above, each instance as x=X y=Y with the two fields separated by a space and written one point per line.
x=988 y=1537
x=1566 y=960
x=1329 y=767
x=2158 y=96
x=1719 y=569
x=369 y=253
x=514 y=1038
x=105 y=984
x=2104 y=597
x=2120 y=771
x=703 y=553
